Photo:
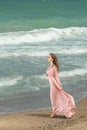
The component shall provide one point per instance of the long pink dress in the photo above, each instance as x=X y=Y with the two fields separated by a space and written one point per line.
x=60 y=100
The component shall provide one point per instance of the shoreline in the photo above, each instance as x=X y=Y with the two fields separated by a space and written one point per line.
x=30 y=102
x=35 y=109
x=39 y=119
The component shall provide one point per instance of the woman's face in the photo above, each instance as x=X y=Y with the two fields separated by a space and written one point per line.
x=50 y=59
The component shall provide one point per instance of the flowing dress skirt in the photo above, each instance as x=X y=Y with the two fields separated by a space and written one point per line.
x=60 y=100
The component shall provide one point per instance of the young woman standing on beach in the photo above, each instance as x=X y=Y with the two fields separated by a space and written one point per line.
x=61 y=101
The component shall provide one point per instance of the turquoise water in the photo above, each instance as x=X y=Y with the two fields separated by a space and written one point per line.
x=33 y=14
x=29 y=31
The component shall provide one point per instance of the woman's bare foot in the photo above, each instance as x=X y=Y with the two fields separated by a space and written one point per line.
x=52 y=115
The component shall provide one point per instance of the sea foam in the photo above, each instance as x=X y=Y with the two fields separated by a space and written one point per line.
x=42 y=35
x=64 y=74
x=7 y=81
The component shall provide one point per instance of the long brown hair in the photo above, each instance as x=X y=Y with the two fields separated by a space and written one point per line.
x=55 y=60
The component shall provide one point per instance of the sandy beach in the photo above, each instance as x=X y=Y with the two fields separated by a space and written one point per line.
x=40 y=120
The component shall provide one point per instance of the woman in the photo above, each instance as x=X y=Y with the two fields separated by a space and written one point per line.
x=60 y=100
